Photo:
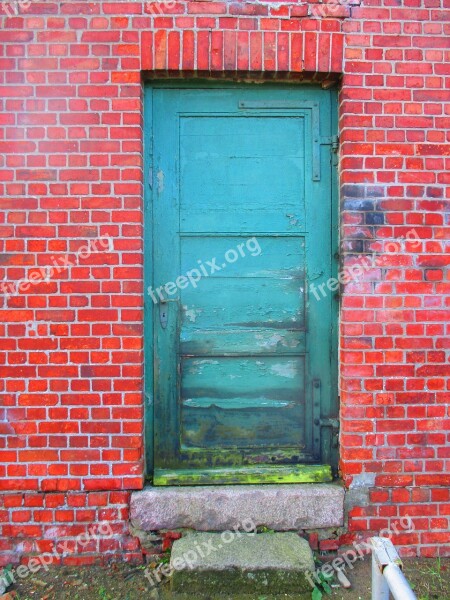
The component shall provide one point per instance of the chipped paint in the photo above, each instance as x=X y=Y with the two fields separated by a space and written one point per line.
x=235 y=403
x=160 y=181
x=271 y=342
x=287 y=369
x=198 y=365
x=293 y=220
x=191 y=313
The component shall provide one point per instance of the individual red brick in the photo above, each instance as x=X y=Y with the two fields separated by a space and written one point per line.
x=188 y=50
x=256 y=60
x=296 y=52
x=310 y=52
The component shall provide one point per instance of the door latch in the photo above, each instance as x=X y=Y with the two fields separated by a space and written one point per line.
x=164 y=311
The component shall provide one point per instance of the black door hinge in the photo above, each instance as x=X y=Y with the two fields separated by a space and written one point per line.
x=334 y=143
x=328 y=422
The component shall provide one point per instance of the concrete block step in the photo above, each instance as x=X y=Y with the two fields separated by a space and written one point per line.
x=234 y=563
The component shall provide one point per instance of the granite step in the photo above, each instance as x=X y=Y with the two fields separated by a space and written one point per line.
x=218 y=508
x=235 y=563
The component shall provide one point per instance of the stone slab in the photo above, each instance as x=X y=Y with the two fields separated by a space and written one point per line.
x=240 y=562
x=219 y=508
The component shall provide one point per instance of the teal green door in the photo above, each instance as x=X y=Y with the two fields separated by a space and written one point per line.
x=240 y=223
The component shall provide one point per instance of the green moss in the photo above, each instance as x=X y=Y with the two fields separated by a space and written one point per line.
x=243 y=475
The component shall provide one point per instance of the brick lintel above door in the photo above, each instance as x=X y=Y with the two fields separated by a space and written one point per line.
x=301 y=54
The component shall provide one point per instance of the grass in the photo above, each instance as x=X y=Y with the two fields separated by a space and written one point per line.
x=432 y=585
x=103 y=594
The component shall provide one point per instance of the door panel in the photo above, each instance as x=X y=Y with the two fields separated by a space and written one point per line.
x=238 y=160
x=242 y=401
x=240 y=226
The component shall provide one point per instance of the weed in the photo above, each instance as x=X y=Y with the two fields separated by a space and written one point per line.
x=165 y=558
x=264 y=529
x=103 y=594
x=433 y=585
x=435 y=571
x=322 y=586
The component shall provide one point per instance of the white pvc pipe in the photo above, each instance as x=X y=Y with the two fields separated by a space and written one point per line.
x=380 y=587
x=397 y=582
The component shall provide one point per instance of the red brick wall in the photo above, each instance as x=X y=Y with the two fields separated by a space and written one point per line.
x=66 y=528
x=395 y=163
x=71 y=416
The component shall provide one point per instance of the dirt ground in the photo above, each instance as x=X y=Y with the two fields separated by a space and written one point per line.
x=430 y=579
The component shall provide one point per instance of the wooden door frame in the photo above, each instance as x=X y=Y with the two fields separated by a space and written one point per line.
x=149 y=253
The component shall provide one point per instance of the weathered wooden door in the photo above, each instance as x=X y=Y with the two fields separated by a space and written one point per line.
x=240 y=184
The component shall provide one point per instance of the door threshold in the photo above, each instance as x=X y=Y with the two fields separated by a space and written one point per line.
x=244 y=475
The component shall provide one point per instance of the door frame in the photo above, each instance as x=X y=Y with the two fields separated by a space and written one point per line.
x=149 y=307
